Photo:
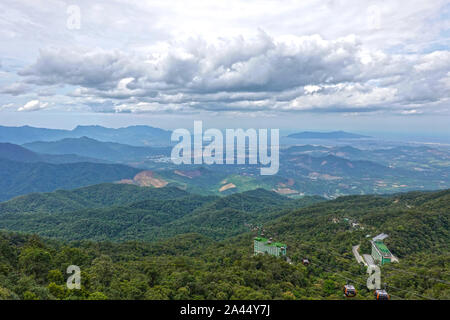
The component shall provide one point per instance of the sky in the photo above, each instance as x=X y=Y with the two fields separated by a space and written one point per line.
x=363 y=66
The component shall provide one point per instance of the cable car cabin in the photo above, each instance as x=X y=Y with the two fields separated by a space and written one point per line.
x=381 y=295
x=305 y=261
x=349 y=291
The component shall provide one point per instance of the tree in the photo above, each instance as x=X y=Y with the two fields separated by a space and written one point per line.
x=102 y=271
x=55 y=276
x=58 y=291
x=35 y=261
x=97 y=296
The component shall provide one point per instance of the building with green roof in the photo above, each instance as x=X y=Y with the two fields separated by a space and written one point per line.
x=263 y=245
x=380 y=253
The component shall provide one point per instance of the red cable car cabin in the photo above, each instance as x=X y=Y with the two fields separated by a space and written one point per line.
x=381 y=295
x=349 y=291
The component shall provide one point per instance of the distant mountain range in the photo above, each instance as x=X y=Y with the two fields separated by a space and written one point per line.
x=134 y=135
x=23 y=171
x=18 y=153
x=326 y=135
x=17 y=178
x=88 y=147
x=312 y=169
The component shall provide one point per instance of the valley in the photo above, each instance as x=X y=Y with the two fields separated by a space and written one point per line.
x=326 y=170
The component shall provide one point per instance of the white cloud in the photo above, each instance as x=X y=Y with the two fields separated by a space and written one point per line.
x=283 y=73
x=33 y=105
x=412 y=111
x=235 y=56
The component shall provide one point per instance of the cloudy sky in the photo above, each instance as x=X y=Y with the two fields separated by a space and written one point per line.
x=336 y=64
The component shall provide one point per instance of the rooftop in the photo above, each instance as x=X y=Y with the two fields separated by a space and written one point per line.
x=275 y=244
x=381 y=236
x=382 y=247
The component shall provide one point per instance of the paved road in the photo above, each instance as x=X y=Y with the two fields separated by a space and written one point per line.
x=357 y=255
x=369 y=260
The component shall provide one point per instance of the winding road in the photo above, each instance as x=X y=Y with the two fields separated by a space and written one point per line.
x=357 y=255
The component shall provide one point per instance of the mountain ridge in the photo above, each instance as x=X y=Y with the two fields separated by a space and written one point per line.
x=18 y=178
x=326 y=135
x=88 y=147
x=14 y=152
x=132 y=135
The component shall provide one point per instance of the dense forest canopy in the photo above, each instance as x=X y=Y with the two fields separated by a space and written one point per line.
x=200 y=259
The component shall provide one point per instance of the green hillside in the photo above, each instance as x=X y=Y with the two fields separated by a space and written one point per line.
x=18 y=178
x=195 y=266
x=125 y=212
x=96 y=196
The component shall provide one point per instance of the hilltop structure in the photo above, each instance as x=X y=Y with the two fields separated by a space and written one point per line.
x=264 y=245
x=380 y=253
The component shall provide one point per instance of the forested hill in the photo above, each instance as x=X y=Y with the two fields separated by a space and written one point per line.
x=192 y=266
x=125 y=212
x=18 y=178
x=196 y=267
x=415 y=221
x=91 y=197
